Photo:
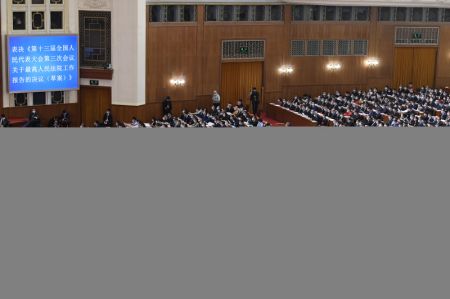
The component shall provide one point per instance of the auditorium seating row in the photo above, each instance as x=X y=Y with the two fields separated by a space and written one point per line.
x=404 y=107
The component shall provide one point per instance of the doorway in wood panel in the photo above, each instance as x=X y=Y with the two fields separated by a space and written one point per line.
x=94 y=100
x=238 y=79
x=415 y=65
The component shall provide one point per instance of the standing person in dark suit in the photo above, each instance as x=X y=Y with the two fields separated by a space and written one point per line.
x=107 y=118
x=254 y=99
x=4 y=123
x=33 y=119
x=167 y=106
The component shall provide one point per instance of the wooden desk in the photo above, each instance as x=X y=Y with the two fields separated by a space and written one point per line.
x=285 y=115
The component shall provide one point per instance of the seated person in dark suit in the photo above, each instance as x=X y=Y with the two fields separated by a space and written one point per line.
x=97 y=124
x=184 y=116
x=54 y=122
x=229 y=109
x=135 y=123
x=4 y=123
x=64 y=119
x=240 y=104
x=107 y=119
x=33 y=119
x=120 y=124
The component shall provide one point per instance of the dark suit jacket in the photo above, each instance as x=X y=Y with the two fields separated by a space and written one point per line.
x=4 y=122
x=167 y=106
x=33 y=116
x=254 y=97
x=107 y=119
x=65 y=116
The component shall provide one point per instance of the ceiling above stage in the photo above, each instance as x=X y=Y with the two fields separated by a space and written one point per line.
x=412 y=3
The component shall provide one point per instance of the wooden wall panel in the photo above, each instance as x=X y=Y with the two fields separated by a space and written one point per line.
x=416 y=65
x=275 y=46
x=310 y=74
x=194 y=51
x=238 y=78
x=92 y=73
x=126 y=113
x=404 y=65
x=94 y=100
x=443 y=58
x=424 y=70
x=171 y=53
x=381 y=45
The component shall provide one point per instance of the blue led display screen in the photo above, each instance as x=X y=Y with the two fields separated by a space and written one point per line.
x=42 y=63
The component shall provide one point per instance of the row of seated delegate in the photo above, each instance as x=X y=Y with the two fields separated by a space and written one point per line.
x=231 y=116
x=34 y=120
x=389 y=107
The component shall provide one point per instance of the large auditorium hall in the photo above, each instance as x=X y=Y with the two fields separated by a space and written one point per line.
x=255 y=63
x=109 y=187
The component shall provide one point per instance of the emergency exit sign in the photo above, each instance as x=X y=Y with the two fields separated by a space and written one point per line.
x=243 y=50
x=417 y=35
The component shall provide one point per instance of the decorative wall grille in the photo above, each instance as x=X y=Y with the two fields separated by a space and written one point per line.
x=329 y=47
x=417 y=36
x=298 y=48
x=243 y=49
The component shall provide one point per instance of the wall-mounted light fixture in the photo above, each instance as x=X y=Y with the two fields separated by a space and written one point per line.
x=286 y=69
x=177 y=81
x=372 y=62
x=334 y=66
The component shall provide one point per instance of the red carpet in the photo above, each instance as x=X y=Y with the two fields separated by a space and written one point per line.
x=272 y=122
x=17 y=122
